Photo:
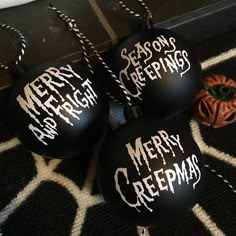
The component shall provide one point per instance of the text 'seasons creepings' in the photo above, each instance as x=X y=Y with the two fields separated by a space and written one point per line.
x=172 y=61
x=44 y=95
x=150 y=187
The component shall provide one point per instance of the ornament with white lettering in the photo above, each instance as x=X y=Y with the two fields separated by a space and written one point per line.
x=58 y=110
x=151 y=171
x=158 y=71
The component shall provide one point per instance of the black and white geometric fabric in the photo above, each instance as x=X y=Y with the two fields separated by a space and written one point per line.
x=42 y=197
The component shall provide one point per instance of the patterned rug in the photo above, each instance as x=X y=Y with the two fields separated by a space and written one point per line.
x=42 y=197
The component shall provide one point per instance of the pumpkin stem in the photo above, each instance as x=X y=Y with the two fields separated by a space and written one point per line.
x=221 y=91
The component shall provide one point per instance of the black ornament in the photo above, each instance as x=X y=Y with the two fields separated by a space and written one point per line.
x=58 y=110
x=158 y=71
x=150 y=172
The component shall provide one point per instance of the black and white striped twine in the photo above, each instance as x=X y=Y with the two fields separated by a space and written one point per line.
x=142 y=3
x=84 y=49
x=72 y=25
x=113 y=76
x=85 y=55
x=220 y=177
x=22 y=44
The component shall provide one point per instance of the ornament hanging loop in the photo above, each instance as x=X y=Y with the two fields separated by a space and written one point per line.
x=71 y=23
x=83 y=39
x=146 y=18
x=8 y=66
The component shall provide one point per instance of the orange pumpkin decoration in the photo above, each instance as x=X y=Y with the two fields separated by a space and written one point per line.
x=215 y=104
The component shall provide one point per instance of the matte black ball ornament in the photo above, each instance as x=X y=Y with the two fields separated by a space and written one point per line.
x=58 y=110
x=150 y=172
x=158 y=71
